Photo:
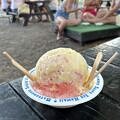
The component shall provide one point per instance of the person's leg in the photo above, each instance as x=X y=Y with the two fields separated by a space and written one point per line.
x=13 y=5
x=47 y=14
x=87 y=16
x=111 y=19
x=60 y=25
x=71 y=22
x=101 y=13
x=4 y=4
x=67 y=22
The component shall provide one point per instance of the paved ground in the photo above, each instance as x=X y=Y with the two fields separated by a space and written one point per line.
x=27 y=44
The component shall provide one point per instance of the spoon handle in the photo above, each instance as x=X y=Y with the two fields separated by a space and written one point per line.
x=94 y=69
x=20 y=67
x=107 y=63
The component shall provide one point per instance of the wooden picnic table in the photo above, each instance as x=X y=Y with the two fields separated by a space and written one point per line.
x=16 y=105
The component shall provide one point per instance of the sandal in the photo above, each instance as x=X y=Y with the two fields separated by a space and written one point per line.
x=60 y=36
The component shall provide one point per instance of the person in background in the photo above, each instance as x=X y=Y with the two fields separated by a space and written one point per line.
x=10 y=5
x=110 y=15
x=62 y=16
x=52 y=4
x=90 y=8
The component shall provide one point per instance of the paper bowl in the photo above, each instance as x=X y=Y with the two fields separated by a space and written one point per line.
x=85 y=23
x=62 y=102
x=99 y=23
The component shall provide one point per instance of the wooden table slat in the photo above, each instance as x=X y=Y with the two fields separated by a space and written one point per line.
x=12 y=107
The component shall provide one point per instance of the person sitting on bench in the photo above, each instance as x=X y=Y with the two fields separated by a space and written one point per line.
x=43 y=11
x=110 y=15
x=90 y=8
x=62 y=16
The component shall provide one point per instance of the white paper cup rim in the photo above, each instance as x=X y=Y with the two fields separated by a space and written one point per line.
x=62 y=102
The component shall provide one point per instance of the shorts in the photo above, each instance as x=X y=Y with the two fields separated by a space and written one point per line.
x=118 y=12
x=61 y=13
x=91 y=11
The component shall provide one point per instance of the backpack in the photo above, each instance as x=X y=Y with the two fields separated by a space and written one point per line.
x=24 y=8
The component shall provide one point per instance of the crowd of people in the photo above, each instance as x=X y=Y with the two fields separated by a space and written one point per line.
x=90 y=12
x=11 y=5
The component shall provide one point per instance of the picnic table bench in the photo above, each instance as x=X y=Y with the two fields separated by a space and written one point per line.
x=3 y=15
x=85 y=33
x=15 y=105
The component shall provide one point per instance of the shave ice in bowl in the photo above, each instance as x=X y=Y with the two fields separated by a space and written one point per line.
x=62 y=78
x=60 y=73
